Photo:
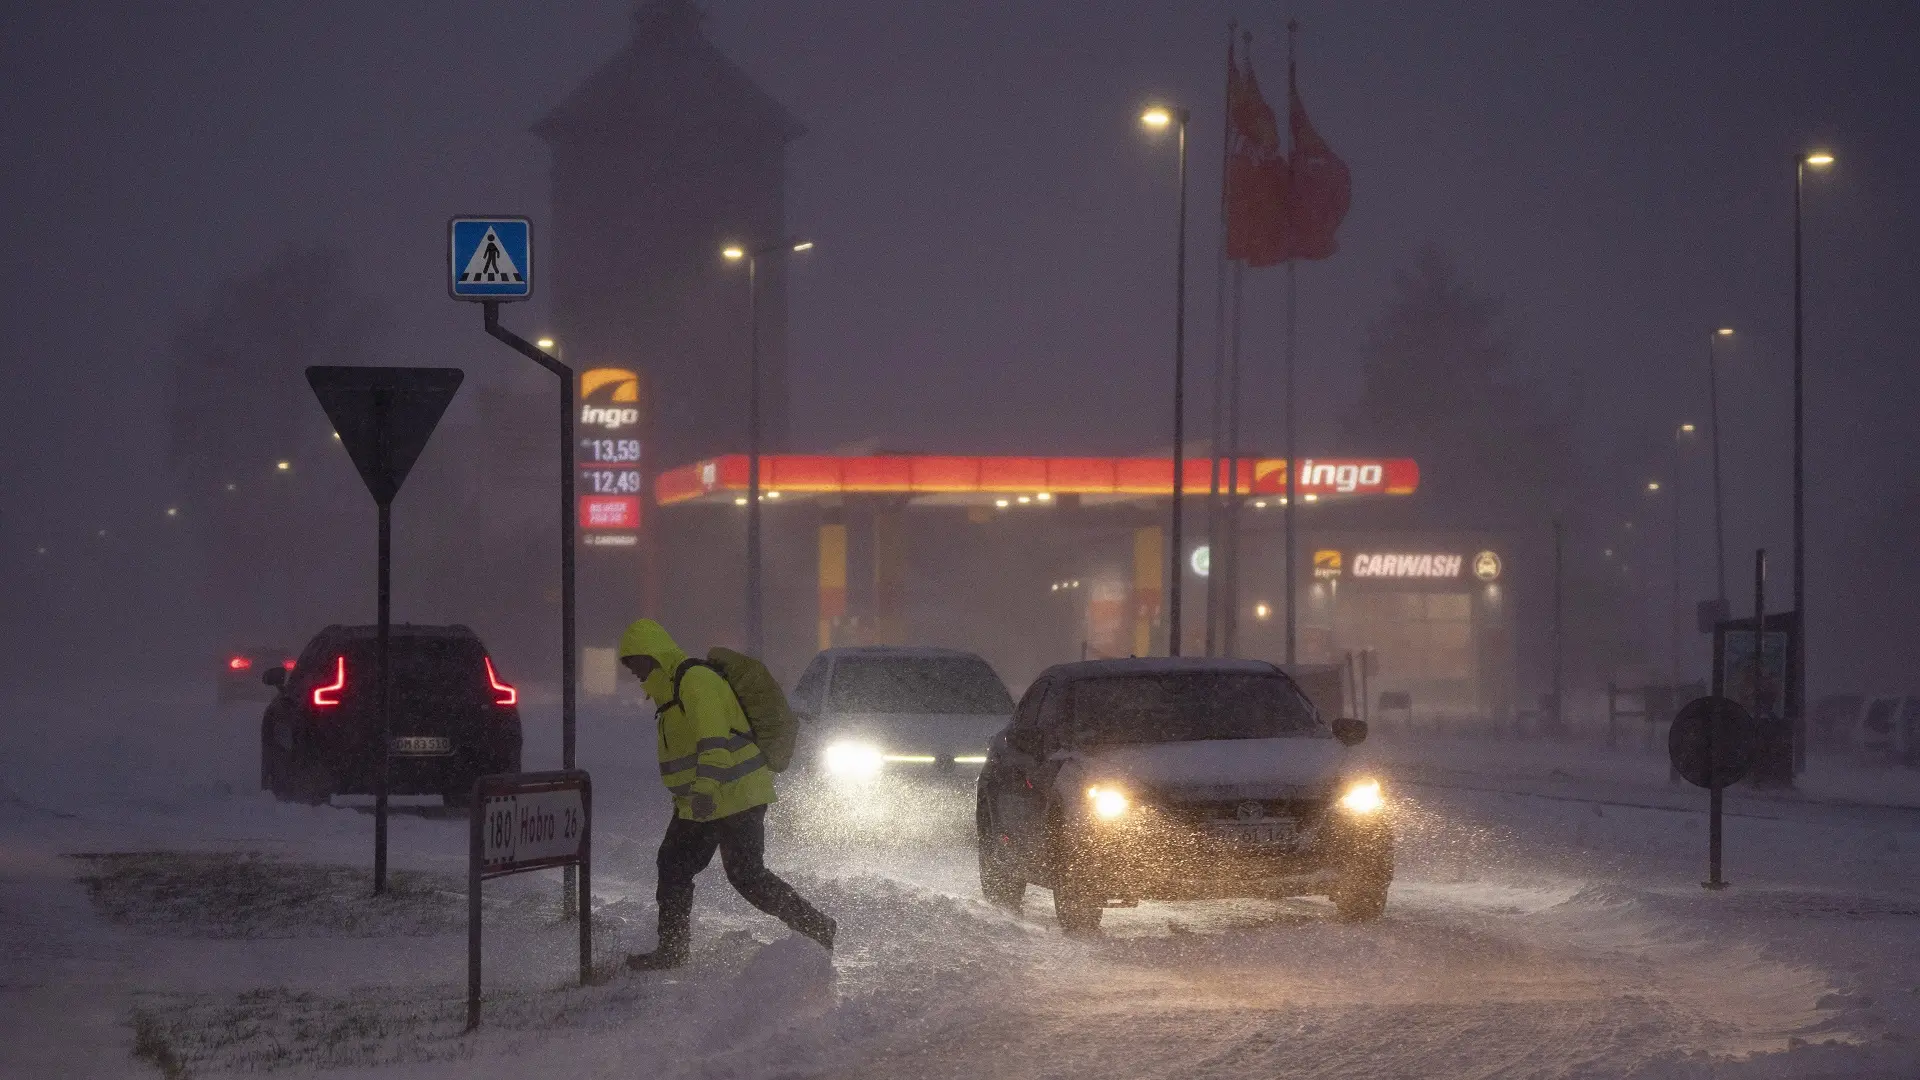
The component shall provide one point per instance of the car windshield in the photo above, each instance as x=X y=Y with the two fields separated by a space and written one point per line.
x=1189 y=707
x=917 y=684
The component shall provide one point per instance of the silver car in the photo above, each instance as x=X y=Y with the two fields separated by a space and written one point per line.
x=869 y=712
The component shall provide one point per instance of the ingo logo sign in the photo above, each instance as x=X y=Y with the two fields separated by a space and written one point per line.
x=610 y=399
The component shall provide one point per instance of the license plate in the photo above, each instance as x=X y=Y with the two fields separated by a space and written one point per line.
x=422 y=744
x=1258 y=834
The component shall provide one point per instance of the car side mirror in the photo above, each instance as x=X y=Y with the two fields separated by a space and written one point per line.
x=1349 y=731
x=1024 y=740
x=275 y=676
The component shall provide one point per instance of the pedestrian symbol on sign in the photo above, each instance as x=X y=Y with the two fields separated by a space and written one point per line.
x=488 y=263
x=491 y=259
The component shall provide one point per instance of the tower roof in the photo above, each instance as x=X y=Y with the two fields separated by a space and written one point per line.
x=667 y=73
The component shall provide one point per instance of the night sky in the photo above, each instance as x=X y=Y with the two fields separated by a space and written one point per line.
x=994 y=269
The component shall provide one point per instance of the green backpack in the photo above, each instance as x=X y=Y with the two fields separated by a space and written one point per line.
x=760 y=697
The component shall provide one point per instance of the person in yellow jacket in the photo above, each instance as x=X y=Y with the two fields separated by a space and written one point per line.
x=721 y=787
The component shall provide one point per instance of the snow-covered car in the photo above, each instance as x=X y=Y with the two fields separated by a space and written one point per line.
x=453 y=718
x=896 y=711
x=1178 y=778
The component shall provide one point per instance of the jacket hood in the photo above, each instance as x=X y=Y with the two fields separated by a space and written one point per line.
x=647 y=638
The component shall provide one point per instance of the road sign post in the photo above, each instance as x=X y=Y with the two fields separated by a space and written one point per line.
x=1711 y=745
x=522 y=822
x=490 y=261
x=384 y=417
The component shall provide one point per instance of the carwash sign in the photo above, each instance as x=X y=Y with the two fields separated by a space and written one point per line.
x=1425 y=566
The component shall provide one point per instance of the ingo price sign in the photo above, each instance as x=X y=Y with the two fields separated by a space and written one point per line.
x=610 y=457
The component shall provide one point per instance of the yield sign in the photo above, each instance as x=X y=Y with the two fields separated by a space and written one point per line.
x=384 y=416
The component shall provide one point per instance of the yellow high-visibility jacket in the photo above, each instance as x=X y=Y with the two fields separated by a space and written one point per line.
x=708 y=758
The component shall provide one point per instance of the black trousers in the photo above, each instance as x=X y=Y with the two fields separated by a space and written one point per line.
x=741 y=840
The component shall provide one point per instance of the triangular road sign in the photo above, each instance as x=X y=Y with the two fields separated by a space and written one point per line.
x=384 y=416
x=490 y=263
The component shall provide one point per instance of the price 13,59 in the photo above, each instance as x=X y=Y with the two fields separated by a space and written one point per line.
x=610 y=451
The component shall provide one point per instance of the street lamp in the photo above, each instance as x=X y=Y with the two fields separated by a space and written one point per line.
x=1817 y=159
x=756 y=632
x=1159 y=118
x=1719 y=513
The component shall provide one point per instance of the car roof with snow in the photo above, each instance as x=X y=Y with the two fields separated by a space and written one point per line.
x=843 y=652
x=338 y=630
x=1157 y=665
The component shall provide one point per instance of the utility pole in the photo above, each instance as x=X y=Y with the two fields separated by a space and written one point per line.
x=1559 y=628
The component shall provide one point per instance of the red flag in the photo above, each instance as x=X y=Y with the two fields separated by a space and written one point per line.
x=1256 y=172
x=1321 y=188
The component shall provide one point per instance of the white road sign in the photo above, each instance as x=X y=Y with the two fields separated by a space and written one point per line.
x=529 y=829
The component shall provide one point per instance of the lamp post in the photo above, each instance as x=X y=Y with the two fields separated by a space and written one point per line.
x=1817 y=159
x=1159 y=118
x=756 y=630
x=1713 y=422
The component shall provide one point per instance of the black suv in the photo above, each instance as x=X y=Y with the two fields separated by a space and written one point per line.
x=1170 y=779
x=454 y=717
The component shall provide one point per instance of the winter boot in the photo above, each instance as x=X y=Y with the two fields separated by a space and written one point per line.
x=660 y=959
x=821 y=930
x=670 y=948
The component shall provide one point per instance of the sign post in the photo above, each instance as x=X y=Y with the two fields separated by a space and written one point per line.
x=1711 y=745
x=384 y=417
x=522 y=822
x=490 y=261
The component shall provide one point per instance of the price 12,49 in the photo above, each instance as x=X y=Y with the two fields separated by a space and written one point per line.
x=612 y=481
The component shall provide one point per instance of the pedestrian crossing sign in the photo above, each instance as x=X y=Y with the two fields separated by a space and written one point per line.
x=490 y=258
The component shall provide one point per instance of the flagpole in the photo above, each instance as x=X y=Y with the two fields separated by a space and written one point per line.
x=1231 y=564
x=1293 y=470
x=1219 y=362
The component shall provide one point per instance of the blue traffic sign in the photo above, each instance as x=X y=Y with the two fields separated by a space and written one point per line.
x=490 y=258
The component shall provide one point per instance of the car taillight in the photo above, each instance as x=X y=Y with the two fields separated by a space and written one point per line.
x=288 y=664
x=324 y=696
x=239 y=663
x=503 y=693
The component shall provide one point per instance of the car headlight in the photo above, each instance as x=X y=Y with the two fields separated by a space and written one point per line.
x=1363 y=797
x=852 y=759
x=1108 y=803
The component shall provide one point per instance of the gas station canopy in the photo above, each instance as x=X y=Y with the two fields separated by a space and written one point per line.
x=945 y=480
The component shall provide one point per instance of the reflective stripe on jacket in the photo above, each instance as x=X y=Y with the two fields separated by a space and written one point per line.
x=708 y=758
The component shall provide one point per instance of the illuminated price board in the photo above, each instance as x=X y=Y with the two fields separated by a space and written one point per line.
x=610 y=457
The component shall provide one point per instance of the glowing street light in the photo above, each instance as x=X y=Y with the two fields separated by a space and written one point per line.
x=1818 y=159
x=735 y=253
x=1160 y=118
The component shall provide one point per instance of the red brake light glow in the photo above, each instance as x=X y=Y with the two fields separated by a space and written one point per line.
x=503 y=693
x=324 y=696
x=239 y=663
x=288 y=664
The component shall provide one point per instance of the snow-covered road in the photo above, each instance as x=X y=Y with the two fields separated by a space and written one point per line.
x=1545 y=923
